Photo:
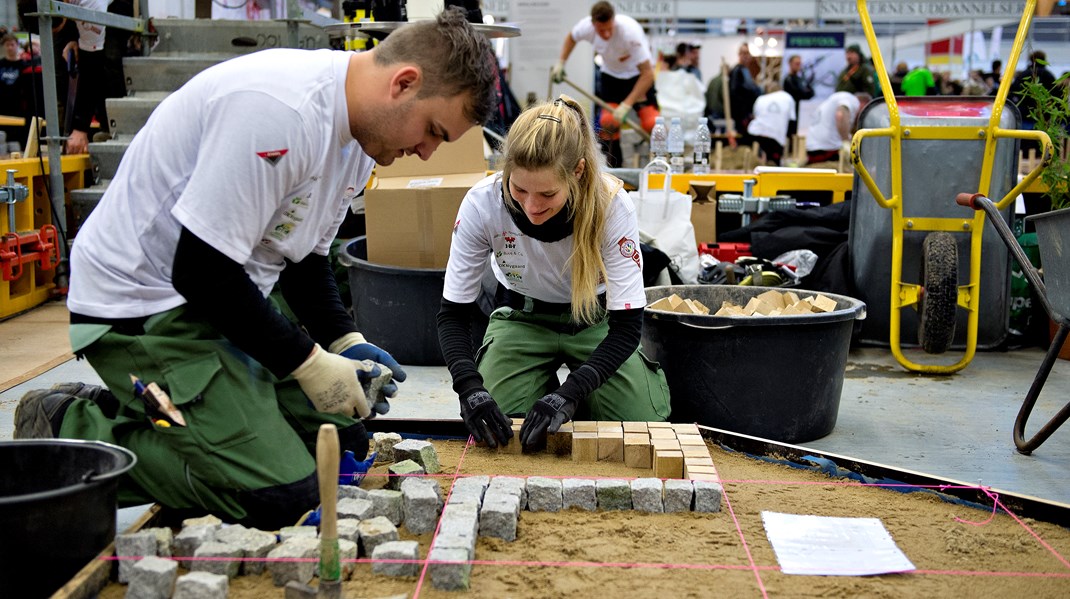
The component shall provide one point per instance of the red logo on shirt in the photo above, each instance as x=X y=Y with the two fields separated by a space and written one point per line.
x=629 y=249
x=273 y=156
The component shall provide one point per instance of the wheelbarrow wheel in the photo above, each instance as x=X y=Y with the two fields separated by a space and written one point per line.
x=939 y=296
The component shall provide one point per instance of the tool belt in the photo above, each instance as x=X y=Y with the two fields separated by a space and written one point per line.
x=530 y=305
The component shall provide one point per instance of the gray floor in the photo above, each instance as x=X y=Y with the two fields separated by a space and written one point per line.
x=955 y=427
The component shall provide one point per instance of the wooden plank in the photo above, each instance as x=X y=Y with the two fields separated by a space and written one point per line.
x=34 y=342
x=91 y=579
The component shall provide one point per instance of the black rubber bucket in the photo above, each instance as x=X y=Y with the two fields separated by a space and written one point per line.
x=775 y=377
x=397 y=308
x=57 y=510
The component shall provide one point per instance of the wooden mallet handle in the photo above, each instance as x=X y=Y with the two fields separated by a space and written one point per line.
x=327 y=471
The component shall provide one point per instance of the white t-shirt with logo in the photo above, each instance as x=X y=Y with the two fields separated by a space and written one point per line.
x=260 y=166
x=772 y=112
x=535 y=268
x=623 y=52
x=823 y=134
x=90 y=35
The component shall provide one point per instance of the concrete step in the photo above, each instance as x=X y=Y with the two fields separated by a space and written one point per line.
x=126 y=116
x=83 y=201
x=185 y=36
x=166 y=73
x=107 y=154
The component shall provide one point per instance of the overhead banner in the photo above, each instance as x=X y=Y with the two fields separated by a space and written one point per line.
x=905 y=10
x=822 y=58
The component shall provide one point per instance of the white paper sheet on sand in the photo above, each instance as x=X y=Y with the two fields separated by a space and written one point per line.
x=825 y=546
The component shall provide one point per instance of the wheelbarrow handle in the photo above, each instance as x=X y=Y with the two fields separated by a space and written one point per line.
x=969 y=200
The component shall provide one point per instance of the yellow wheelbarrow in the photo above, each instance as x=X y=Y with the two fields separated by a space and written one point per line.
x=924 y=151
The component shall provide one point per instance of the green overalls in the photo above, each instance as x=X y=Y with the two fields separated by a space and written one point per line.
x=523 y=350
x=247 y=452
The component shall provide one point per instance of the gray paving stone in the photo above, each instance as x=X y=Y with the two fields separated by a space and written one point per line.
x=498 y=517
x=472 y=483
x=511 y=484
x=384 y=446
x=133 y=545
x=449 y=576
x=217 y=558
x=347 y=529
x=293 y=560
x=707 y=496
x=201 y=585
x=152 y=578
x=357 y=509
x=290 y=532
x=613 y=494
x=456 y=541
x=471 y=496
x=421 y=506
x=351 y=492
x=421 y=452
x=402 y=471
x=347 y=552
x=678 y=495
x=387 y=503
x=189 y=539
x=461 y=519
x=397 y=550
x=255 y=545
x=544 y=494
x=498 y=495
x=579 y=493
x=375 y=531
x=209 y=520
x=165 y=538
x=646 y=495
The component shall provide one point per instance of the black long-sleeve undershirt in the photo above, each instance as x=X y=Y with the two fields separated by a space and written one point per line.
x=454 y=332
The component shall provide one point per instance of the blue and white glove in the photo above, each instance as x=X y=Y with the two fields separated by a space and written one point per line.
x=355 y=347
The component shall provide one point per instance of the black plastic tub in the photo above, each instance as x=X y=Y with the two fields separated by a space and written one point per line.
x=57 y=510
x=397 y=308
x=777 y=377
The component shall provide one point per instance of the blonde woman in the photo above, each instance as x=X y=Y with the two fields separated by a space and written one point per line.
x=563 y=237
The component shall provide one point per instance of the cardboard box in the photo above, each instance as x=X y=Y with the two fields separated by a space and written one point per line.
x=412 y=206
x=704 y=210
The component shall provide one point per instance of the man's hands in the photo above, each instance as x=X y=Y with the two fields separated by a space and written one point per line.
x=558 y=72
x=484 y=419
x=621 y=112
x=330 y=382
x=77 y=142
x=355 y=347
x=547 y=415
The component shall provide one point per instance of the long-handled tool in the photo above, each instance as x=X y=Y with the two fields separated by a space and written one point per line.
x=604 y=106
x=330 y=567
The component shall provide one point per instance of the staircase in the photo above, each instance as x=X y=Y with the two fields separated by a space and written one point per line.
x=185 y=48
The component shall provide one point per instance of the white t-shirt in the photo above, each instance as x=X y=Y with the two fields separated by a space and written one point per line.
x=623 y=52
x=772 y=112
x=823 y=134
x=532 y=267
x=90 y=35
x=254 y=156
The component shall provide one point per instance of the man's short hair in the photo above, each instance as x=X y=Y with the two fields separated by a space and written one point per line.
x=602 y=12
x=682 y=48
x=453 y=57
x=8 y=37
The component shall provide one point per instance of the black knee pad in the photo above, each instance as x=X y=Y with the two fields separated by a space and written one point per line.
x=272 y=508
x=354 y=438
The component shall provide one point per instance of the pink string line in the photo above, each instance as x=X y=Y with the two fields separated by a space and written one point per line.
x=754 y=567
x=995 y=500
x=438 y=527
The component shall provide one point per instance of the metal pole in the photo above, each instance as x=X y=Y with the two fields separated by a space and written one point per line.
x=54 y=139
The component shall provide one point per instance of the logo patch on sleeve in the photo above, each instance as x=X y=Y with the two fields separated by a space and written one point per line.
x=273 y=156
x=630 y=249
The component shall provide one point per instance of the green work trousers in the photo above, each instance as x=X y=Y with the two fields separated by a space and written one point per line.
x=522 y=352
x=247 y=451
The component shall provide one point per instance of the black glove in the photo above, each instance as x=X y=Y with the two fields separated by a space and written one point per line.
x=485 y=420
x=547 y=415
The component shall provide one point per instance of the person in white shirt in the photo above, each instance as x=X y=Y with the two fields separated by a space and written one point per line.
x=830 y=125
x=773 y=112
x=627 y=72
x=563 y=238
x=239 y=180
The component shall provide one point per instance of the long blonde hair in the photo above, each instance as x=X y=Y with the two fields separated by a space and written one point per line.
x=557 y=135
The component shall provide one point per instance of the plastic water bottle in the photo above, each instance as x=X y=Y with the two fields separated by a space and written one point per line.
x=659 y=140
x=702 y=149
x=676 y=146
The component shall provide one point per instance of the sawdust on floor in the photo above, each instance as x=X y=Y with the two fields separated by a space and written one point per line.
x=637 y=555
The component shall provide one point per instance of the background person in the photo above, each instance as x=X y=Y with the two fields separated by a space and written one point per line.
x=627 y=73
x=799 y=87
x=239 y=180
x=769 y=127
x=830 y=129
x=857 y=76
x=565 y=247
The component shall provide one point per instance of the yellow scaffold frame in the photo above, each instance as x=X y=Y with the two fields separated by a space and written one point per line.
x=904 y=294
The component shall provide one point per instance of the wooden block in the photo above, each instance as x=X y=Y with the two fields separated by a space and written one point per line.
x=667 y=303
x=692 y=451
x=637 y=451
x=665 y=444
x=585 y=447
x=668 y=464
x=790 y=298
x=566 y=427
x=685 y=428
x=686 y=439
x=697 y=461
x=634 y=427
x=773 y=298
x=662 y=433
x=690 y=471
x=824 y=304
x=513 y=446
x=559 y=443
x=610 y=445
x=610 y=426
x=585 y=426
x=659 y=425
x=713 y=478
